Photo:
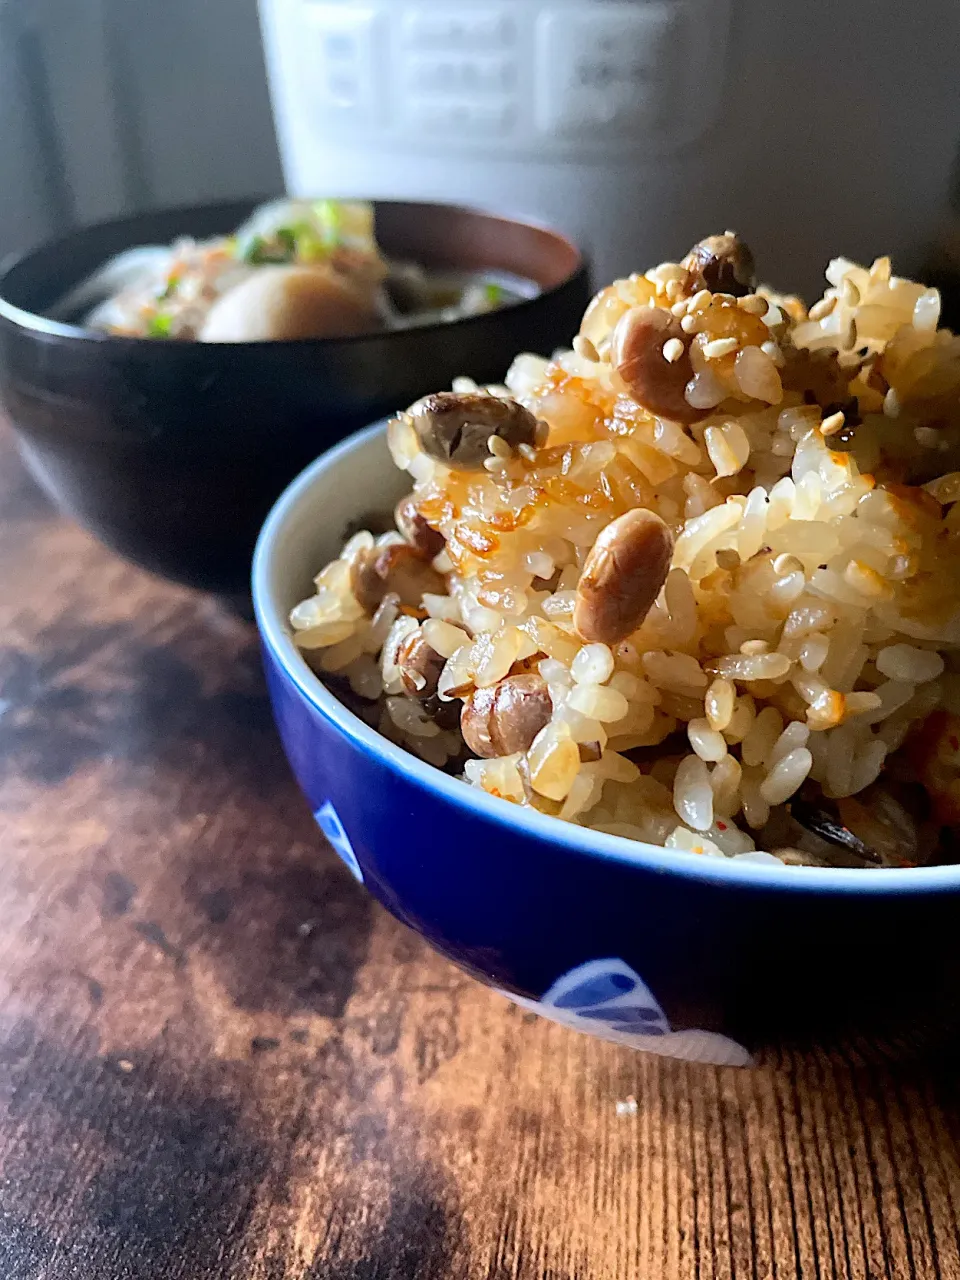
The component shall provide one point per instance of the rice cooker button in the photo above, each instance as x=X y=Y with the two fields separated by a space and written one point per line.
x=461 y=73
x=600 y=72
x=489 y=28
x=614 y=70
x=445 y=117
x=337 y=63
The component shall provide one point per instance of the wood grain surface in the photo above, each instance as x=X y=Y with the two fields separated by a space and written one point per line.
x=218 y=1058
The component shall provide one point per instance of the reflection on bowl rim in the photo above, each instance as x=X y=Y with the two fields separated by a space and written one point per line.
x=38 y=323
x=723 y=872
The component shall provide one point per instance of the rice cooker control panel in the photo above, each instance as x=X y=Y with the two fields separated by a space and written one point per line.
x=549 y=80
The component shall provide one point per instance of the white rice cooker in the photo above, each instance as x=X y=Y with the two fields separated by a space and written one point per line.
x=638 y=126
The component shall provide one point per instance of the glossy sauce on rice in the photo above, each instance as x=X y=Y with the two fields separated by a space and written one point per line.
x=698 y=577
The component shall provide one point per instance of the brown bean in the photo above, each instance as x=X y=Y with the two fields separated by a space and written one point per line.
x=622 y=576
x=395 y=567
x=455 y=428
x=419 y=666
x=506 y=717
x=415 y=529
x=636 y=352
x=722 y=264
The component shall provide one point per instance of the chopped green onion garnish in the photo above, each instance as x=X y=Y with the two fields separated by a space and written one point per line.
x=308 y=244
x=330 y=219
x=160 y=324
x=280 y=247
x=494 y=293
x=252 y=251
x=287 y=238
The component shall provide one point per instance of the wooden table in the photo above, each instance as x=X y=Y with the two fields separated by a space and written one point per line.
x=218 y=1058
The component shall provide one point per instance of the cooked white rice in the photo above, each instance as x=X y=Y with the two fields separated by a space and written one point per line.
x=805 y=640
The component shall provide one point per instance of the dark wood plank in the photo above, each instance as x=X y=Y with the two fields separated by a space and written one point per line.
x=219 y=1059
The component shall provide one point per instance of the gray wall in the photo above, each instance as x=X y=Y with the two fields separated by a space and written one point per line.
x=108 y=106
x=194 y=122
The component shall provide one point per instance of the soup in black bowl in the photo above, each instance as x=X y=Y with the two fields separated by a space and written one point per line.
x=172 y=452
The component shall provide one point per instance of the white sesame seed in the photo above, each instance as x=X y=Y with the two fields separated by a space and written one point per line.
x=666 y=272
x=720 y=347
x=700 y=299
x=679 y=308
x=672 y=350
x=820 y=310
x=891 y=404
x=495 y=465
x=773 y=317
x=673 y=290
x=754 y=303
x=772 y=349
x=498 y=447
x=831 y=425
x=750 y=648
x=688 y=323
x=585 y=348
x=527 y=451
x=849 y=293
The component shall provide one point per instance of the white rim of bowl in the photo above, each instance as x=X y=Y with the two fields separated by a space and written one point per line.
x=722 y=872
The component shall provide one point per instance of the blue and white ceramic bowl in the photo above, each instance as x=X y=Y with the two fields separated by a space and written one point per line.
x=693 y=957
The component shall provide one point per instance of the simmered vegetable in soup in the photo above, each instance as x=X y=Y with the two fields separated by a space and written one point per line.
x=695 y=582
x=296 y=269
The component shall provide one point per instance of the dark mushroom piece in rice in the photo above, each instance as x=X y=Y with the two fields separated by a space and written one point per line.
x=722 y=264
x=458 y=429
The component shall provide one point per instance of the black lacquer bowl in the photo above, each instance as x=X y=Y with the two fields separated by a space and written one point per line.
x=173 y=452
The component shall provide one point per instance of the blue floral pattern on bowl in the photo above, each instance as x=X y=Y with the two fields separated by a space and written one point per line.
x=329 y=823
x=605 y=998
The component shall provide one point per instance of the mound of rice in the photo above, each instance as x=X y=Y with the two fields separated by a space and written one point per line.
x=805 y=639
